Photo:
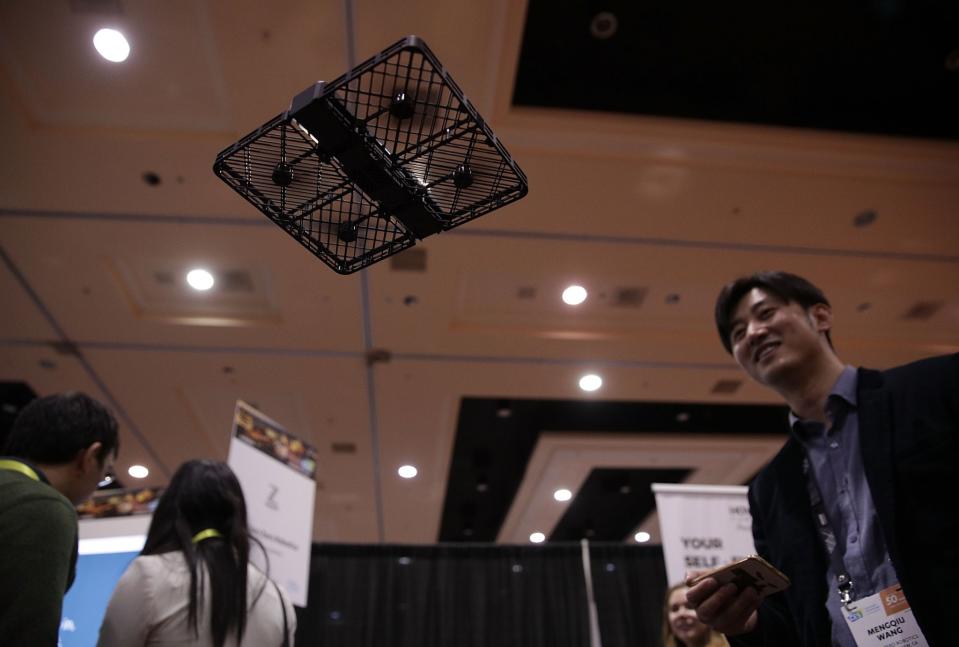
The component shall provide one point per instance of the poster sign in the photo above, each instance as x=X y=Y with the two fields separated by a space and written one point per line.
x=702 y=526
x=120 y=503
x=277 y=471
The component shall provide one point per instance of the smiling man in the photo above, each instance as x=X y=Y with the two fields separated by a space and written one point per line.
x=857 y=509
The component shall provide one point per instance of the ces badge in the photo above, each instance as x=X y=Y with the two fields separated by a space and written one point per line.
x=884 y=619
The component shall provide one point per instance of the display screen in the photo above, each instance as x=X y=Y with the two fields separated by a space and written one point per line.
x=100 y=564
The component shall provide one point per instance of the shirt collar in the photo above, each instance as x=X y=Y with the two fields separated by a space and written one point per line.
x=844 y=389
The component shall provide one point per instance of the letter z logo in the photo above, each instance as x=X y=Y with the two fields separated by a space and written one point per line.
x=271 y=499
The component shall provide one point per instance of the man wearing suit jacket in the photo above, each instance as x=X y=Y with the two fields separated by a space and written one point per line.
x=861 y=498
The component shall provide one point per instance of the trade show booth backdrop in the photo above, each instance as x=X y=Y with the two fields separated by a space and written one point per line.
x=474 y=595
x=481 y=595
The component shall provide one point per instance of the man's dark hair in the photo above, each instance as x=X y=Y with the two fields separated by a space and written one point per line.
x=788 y=287
x=54 y=428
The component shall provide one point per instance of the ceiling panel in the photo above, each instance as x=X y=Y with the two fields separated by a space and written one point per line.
x=107 y=195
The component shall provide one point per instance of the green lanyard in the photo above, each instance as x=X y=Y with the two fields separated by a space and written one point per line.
x=17 y=466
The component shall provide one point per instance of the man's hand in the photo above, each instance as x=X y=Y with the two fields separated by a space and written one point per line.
x=724 y=608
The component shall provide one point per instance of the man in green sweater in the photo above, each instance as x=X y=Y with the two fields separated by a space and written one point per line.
x=59 y=449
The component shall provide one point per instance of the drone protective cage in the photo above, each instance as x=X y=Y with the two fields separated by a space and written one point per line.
x=361 y=168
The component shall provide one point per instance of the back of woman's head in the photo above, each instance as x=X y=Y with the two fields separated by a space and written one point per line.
x=202 y=514
x=202 y=494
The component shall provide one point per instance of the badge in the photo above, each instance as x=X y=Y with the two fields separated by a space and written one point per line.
x=884 y=619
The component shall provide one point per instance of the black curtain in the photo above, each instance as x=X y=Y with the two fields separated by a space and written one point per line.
x=477 y=595
x=629 y=586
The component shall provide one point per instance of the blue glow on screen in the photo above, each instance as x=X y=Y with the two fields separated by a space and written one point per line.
x=86 y=601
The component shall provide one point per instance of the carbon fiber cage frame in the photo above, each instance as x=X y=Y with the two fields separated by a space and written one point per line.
x=360 y=168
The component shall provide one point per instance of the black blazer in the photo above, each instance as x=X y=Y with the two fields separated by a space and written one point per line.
x=909 y=438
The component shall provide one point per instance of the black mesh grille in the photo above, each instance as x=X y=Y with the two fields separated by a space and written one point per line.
x=388 y=153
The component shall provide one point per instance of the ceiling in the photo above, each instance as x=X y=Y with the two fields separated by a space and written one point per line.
x=107 y=197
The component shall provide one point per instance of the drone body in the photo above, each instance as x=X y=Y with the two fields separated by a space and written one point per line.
x=362 y=167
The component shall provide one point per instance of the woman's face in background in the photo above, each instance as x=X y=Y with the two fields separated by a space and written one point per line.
x=683 y=621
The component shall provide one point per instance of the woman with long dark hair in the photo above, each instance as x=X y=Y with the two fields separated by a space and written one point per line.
x=193 y=583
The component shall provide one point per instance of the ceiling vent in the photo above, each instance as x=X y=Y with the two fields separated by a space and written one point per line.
x=100 y=7
x=726 y=387
x=235 y=281
x=526 y=293
x=343 y=448
x=629 y=297
x=163 y=277
x=922 y=310
x=410 y=260
x=67 y=348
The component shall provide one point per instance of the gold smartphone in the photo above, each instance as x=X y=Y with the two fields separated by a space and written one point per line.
x=751 y=571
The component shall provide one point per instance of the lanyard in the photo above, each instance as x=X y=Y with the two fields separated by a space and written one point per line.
x=844 y=584
x=206 y=534
x=17 y=466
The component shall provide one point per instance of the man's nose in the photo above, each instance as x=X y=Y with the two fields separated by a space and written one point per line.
x=755 y=332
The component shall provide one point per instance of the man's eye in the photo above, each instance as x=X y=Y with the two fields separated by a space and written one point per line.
x=737 y=334
x=766 y=313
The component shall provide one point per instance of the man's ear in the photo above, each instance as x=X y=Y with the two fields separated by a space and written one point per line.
x=87 y=459
x=821 y=317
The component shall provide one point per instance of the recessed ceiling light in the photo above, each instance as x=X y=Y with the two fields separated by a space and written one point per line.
x=641 y=537
x=199 y=279
x=138 y=471
x=574 y=295
x=407 y=471
x=537 y=538
x=590 y=382
x=603 y=25
x=562 y=495
x=112 y=45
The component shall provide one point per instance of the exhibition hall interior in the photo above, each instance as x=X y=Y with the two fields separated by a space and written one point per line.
x=668 y=149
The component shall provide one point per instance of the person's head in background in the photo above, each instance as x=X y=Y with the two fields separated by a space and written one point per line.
x=681 y=627
x=204 y=498
x=778 y=327
x=71 y=437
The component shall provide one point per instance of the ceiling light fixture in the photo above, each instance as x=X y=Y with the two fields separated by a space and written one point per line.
x=574 y=295
x=407 y=471
x=112 y=45
x=590 y=382
x=604 y=25
x=200 y=279
x=138 y=471
x=641 y=537
x=562 y=495
x=537 y=538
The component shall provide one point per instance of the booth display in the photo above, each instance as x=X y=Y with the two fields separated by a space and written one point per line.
x=277 y=472
x=702 y=526
x=106 y=548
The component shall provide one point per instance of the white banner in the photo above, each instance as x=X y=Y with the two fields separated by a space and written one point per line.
x=277 y=472
x=702 y=526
